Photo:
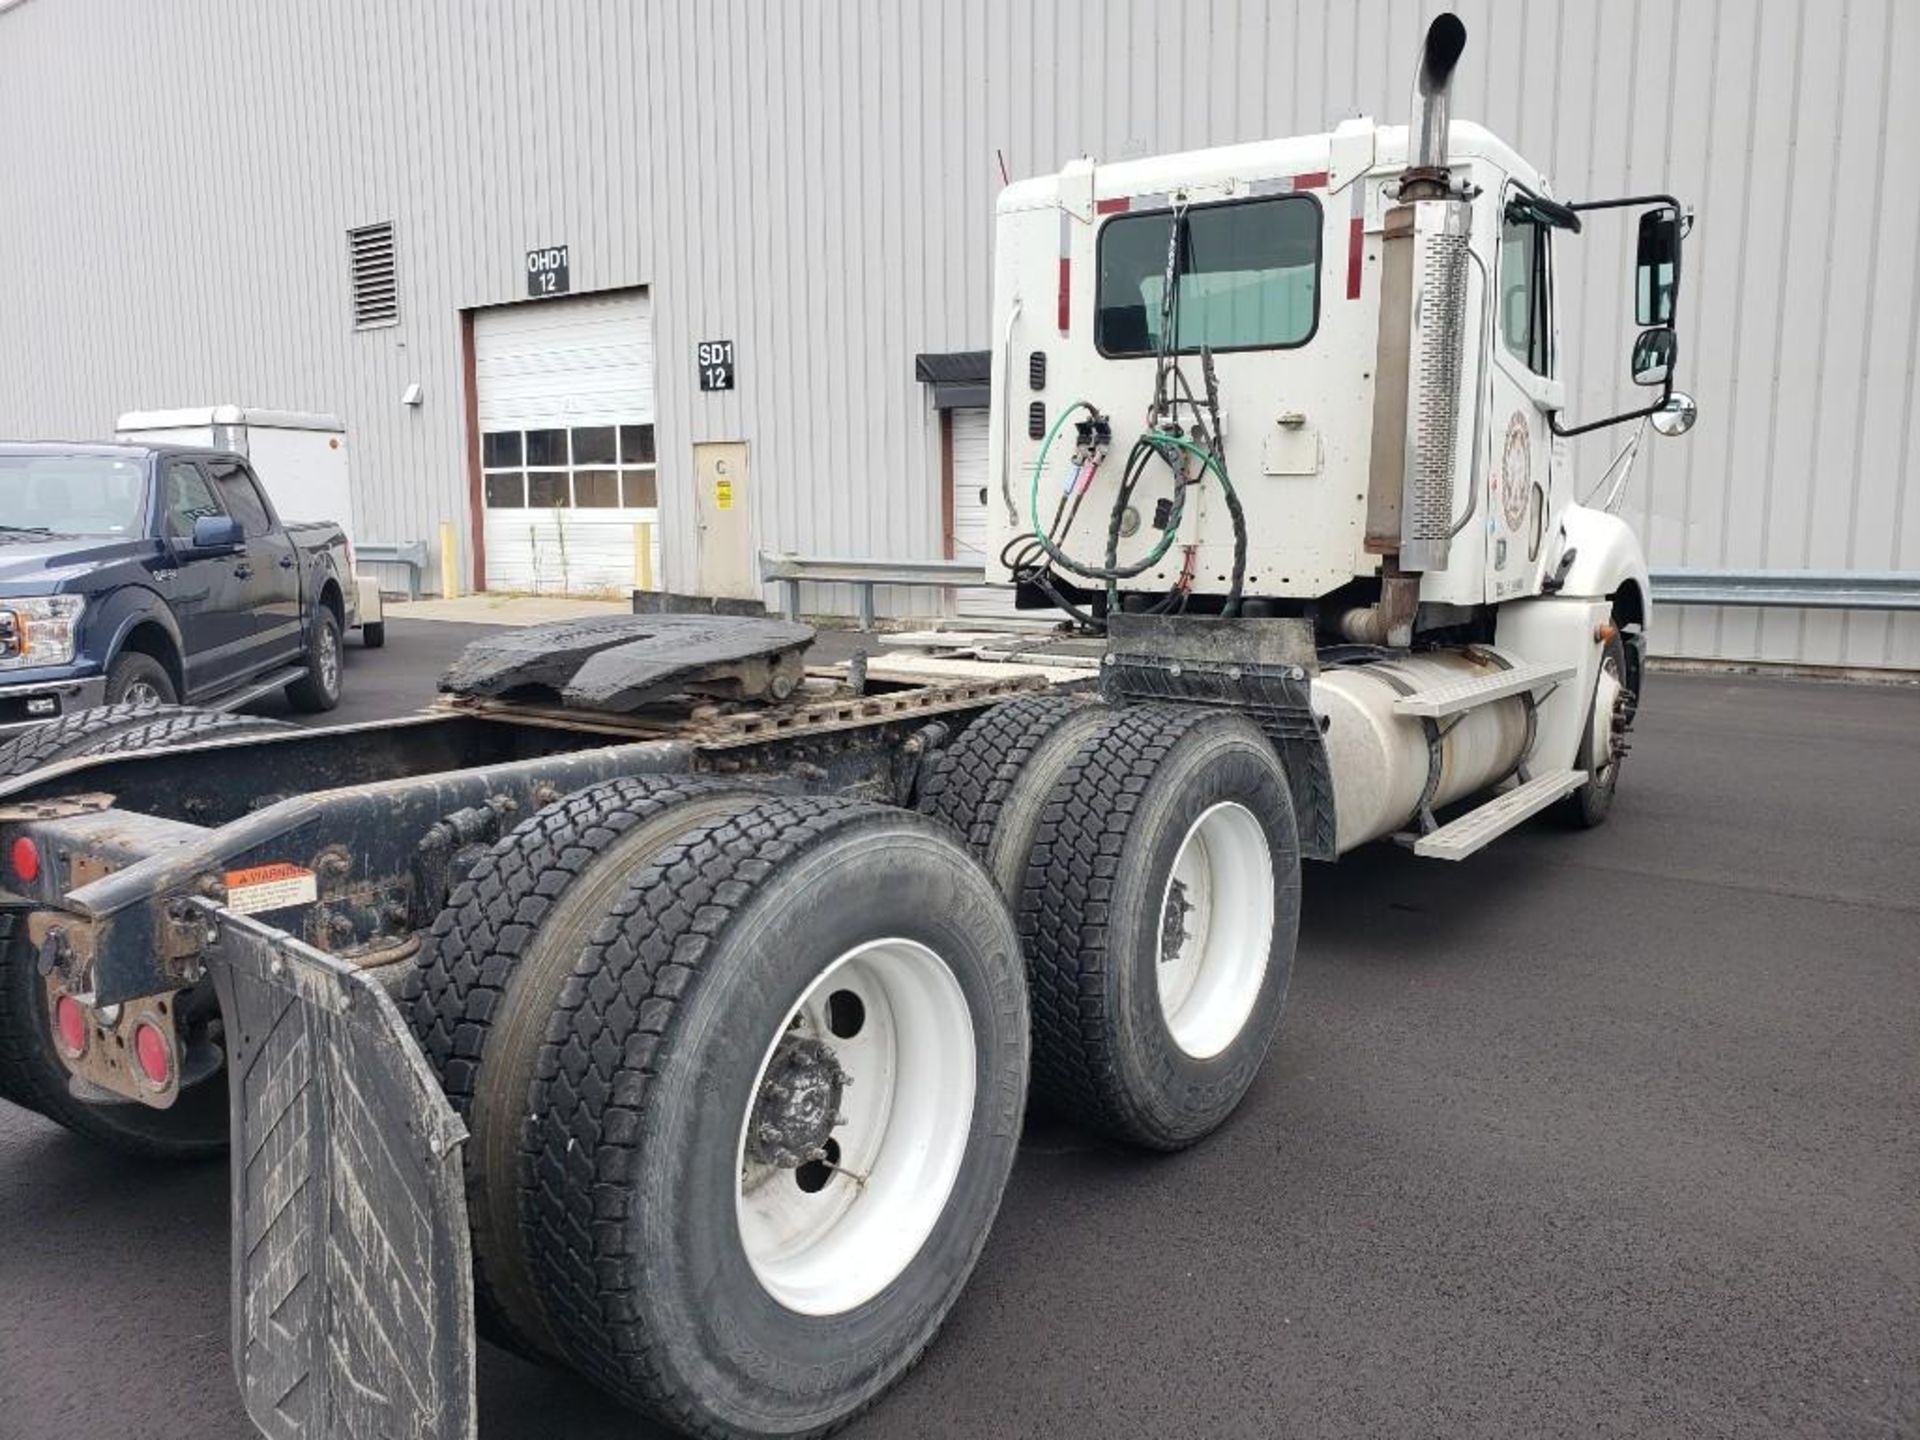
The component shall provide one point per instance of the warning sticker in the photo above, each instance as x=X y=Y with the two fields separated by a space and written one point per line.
x=270 y=887
x=723 y=494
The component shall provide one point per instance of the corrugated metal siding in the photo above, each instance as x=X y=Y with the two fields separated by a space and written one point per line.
x=815 y=182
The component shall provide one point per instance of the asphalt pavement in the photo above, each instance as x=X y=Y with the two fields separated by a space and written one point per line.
x=1604 y=1134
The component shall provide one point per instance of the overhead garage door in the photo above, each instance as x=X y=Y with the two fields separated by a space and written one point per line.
x=972 y=532
x=565 y=391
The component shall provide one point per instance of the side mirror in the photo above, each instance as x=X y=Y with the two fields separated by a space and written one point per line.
x=1656 y=267
x=1676 y=417
x=1653 y=355
x=217 y=534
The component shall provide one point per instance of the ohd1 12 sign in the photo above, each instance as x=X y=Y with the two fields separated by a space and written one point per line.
x=547 y=272
x=715 y=358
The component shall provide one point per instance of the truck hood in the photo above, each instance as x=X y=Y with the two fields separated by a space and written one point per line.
x=49 y=564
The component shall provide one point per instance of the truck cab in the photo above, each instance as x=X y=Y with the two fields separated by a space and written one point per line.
x=1368 y=337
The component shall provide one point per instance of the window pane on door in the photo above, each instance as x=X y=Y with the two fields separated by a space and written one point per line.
x=507 y=491
x=593 y=446
x=546 y=447
x=640 y=489
x=500 y=450
x=546 y=488
x=636 y=445
x=596 y=489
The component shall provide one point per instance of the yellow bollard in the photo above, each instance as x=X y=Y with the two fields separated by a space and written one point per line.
x=449 y=563
x=643 y=555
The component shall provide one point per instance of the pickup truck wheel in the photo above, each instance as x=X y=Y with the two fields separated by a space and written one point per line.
x=1160 y=911
x=373 y=635
x=319 y=689
x=990 y=784
x=114 y=729
x=774 y=1116
x=137 y=679
x=483 y=988
x=33 y=1075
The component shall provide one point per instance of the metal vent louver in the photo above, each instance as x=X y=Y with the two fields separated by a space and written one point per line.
x=376 y=286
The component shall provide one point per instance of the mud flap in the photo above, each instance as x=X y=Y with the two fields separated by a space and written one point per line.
x=352 y=1271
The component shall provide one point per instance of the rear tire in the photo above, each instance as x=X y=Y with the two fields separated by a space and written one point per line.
x=33 y=1075
x=647 y=1220
x=1160 y=911
x=374 y=635
x=481 y=993
x=991 y=783
x=138 y=679
x=31 y=1071
x=319 y=689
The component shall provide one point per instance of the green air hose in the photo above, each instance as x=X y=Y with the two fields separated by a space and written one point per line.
x=1097 y=572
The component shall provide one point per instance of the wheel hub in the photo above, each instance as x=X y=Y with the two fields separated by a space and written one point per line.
x=798 y=1105
x=1173 y=922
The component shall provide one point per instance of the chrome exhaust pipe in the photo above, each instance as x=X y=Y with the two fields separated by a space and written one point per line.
x=1433 y=90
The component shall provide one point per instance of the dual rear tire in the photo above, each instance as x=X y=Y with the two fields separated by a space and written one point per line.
x=744 y=1075
x=1151 y=859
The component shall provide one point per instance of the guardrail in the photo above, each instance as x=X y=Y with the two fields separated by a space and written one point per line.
x=411 y=553
x=1790 y=589
x=791 y=570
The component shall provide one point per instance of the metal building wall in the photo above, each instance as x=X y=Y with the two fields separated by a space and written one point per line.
x=815 y=181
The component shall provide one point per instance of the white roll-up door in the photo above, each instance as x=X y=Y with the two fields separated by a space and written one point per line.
x=565 y=391
x=971 y=531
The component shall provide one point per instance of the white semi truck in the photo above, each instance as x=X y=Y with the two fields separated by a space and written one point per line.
x=667 y=1009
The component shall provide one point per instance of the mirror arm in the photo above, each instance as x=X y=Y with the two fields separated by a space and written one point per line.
x=1666 y=394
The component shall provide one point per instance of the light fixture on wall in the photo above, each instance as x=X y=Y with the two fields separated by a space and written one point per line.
x=413 y=395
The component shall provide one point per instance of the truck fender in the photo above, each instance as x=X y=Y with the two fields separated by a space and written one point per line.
x=1608 y=562
x=133 y=605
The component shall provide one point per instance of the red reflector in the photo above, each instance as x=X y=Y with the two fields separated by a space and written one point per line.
x=155 y=1055
x=26 y=860
x=70 y=1025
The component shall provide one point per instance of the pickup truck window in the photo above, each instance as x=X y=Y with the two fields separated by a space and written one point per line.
x=189 y=497
x=242 y=499
x=71 y=495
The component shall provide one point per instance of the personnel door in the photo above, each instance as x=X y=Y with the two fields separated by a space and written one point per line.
x=204 y=588
x=1520 y=497
x=270 y=570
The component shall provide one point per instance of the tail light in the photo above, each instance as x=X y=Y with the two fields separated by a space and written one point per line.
x=24 y=856
x=70 y=1027
x=153 y=1053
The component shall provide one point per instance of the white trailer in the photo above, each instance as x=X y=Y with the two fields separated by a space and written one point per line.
x=302 y=459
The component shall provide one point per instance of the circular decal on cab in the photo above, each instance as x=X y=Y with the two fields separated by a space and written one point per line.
x=1516 y=472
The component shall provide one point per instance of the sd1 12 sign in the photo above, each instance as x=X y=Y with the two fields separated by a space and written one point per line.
x=715 y=358
x=547 y=272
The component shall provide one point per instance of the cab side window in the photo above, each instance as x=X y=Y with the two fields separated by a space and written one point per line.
x=1526 y=326
x=189 y=497
x=242 y=499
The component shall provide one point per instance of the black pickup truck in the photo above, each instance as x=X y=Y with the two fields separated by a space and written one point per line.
x=142 y=573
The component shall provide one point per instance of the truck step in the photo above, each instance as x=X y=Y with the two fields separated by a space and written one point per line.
x=1460 y=838
x=1461 y=695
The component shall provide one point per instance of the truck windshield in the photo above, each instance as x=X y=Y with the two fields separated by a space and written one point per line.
x=1249 y=277
x=71 y=495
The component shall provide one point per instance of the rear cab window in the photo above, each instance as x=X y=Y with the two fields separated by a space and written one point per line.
x=1249 y=277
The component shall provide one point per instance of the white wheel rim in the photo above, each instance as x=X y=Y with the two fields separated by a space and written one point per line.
x=1606 y=695
x=1216 y=930
x=908 y=1113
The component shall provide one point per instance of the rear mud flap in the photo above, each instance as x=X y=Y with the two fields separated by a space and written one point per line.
x=352 y=1271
